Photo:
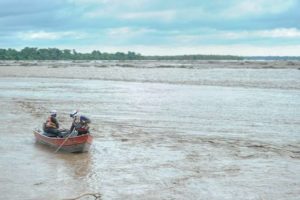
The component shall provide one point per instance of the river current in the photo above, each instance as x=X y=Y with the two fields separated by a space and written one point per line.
x=171 y=133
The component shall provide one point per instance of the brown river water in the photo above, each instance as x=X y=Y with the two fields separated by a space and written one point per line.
x=162 y=129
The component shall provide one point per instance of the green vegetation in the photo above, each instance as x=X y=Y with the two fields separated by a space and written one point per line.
x=30 y=53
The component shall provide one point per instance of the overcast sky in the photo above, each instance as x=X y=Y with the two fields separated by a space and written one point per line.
x=154 y=27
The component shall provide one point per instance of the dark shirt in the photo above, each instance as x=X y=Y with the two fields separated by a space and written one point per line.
x=55 y=121
x=79 y=126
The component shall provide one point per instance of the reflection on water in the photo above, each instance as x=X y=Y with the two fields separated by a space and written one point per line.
x=78 y=164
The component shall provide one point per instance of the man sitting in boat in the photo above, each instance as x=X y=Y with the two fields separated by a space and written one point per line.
x=80 y=123
x=51 y=126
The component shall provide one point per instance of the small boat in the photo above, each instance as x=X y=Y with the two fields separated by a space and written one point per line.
x=72 y=144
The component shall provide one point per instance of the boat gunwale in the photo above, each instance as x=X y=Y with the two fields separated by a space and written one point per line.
x=58 y=138
x=74 y=141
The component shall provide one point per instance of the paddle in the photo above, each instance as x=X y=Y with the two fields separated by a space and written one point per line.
x=64 y=141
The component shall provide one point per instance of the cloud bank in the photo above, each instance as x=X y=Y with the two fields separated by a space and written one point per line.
x=170 y=27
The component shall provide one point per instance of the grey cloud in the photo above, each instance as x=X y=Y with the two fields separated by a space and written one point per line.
x=17 y=7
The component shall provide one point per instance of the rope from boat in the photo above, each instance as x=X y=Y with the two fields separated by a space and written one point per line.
x=96 y=195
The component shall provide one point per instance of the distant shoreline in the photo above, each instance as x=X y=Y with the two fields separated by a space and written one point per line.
x=33 y=53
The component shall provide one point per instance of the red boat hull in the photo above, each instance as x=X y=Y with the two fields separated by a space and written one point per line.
x=74 y=144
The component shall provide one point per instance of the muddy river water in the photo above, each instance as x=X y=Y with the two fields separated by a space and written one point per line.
x=172 y=130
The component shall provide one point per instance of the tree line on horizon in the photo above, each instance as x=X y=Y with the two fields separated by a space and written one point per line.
x=32 y=53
